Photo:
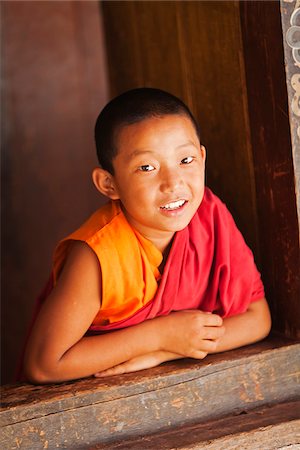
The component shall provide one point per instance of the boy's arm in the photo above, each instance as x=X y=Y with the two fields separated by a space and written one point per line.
x=58 y=350
x=247 y=328
x=242 y=329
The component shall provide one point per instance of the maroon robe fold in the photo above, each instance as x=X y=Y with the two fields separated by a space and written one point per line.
x=209 y=267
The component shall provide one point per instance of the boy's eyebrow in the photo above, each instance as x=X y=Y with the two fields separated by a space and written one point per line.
x=138 y=152
x=187 y=144
x=141 y=151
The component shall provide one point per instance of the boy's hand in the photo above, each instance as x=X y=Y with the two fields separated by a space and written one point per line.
x=139 y=363
x=195 y=334
x=190 y=333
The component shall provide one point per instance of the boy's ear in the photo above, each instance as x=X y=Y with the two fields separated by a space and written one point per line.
x=203 y=152
x=105 y=183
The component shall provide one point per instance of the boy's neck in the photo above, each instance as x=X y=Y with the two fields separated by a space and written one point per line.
x=161 y=240
x=163 y=244
x=165 y=253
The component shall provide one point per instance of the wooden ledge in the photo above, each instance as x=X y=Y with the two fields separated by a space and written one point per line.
x=276 y=426
x=90 y=411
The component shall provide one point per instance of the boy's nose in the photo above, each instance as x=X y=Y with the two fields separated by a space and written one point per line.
x=170 y=181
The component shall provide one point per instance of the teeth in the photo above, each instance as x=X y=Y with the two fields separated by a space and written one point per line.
x=174 y=205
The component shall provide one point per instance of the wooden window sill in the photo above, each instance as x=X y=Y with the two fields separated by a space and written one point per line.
x=90 y=411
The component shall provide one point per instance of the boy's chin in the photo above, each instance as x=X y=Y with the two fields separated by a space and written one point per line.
x=179 y=227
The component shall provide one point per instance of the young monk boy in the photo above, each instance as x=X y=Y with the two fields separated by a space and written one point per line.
x=160 y=272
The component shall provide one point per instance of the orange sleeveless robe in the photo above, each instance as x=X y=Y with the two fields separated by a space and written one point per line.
x=129 y=263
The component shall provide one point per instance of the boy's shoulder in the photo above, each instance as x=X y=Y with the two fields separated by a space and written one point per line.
x=100 y=219
x=91 y=232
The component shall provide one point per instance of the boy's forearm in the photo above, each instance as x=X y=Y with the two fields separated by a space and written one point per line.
x=188 y=333
x=140 y=363
x=246 y=328
x=97 y=353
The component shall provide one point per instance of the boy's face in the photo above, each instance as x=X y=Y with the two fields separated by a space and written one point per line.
x=159 y=175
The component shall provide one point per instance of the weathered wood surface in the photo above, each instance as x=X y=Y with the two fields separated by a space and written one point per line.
x=272 y=158
x=89 y=411
x=270 y=427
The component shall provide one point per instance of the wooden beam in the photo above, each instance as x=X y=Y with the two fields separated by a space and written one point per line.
x=91 y=411
x=276 y=426
x=273 y=163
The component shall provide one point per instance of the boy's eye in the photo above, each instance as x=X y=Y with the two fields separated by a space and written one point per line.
x=187 y=160
x=146 y=168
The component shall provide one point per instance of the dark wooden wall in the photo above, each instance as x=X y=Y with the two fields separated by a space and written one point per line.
x=273 y=161
x=54 y=83
x=192 y=49
x=225 y=59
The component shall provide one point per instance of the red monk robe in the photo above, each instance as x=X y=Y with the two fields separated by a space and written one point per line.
x=209 y=267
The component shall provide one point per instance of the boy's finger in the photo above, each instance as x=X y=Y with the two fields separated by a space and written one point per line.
x=213 y=332
x=212 y=320
x=208 y=346
x=198 y=354
x=117 y=370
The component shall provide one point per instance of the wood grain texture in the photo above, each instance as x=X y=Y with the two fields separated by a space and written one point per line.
x=273 y=162
x=192 y=49
x=178 y=393
x=275 y=427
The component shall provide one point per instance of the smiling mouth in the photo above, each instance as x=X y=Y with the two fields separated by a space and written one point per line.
x=173 y=205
